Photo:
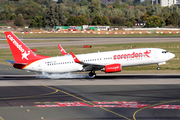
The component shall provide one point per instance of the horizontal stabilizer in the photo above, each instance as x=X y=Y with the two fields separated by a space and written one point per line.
x=11 y=61
x=20 y=64
x=15 y=63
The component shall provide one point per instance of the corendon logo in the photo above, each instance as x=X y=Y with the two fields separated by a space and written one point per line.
x=132 y=55
x=24 y=53
x=113 y=67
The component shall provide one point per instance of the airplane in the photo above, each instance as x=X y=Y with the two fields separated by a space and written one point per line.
x=109 y=62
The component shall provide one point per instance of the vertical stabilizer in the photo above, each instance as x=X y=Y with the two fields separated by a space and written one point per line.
x=21 y=53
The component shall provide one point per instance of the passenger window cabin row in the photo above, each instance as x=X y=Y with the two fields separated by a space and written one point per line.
x=70 y=62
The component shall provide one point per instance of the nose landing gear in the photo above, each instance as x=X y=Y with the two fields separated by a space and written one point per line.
x=158 y=68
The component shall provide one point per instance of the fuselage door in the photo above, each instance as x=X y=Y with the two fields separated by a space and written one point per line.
x=40 y=66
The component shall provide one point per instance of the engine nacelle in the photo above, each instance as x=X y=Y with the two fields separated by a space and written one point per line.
x=113 y=68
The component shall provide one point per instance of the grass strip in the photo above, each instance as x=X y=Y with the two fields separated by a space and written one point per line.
x=62 y=35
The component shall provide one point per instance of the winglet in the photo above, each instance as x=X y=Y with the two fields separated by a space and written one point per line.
x=75 y=58
x=62 y=50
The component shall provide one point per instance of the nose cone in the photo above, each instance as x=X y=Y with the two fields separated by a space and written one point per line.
x=171 y=55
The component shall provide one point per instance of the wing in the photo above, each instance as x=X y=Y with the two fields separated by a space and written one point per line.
x=63 y=52
x=87 y=66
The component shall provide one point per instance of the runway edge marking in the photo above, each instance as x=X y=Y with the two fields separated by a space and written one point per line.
x=85 y=101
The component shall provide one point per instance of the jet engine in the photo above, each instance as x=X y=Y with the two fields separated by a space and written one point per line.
x=112 y=68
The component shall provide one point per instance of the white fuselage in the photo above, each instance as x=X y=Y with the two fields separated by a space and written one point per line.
x=130 y=57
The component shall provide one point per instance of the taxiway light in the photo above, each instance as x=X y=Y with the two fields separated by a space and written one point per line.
x=21 y=106
x=28 y=110
x=42 y=118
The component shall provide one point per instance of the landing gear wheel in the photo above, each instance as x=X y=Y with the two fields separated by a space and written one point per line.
x=92 y=74
x=158 y=68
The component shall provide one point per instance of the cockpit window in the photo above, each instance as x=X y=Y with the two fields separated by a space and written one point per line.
x=164 y=51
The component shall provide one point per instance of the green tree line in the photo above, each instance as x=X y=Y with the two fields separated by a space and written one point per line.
x=48 y=13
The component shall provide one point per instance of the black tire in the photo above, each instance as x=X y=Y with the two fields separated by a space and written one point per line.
x=158 y=68
x=93 y=75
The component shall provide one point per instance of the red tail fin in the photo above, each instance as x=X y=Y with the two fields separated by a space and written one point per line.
x=21 y=53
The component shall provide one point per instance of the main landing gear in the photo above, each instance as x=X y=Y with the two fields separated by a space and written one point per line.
x=92 y=74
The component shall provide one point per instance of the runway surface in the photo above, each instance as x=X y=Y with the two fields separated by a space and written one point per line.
x=95 y=41
x=23 y=96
